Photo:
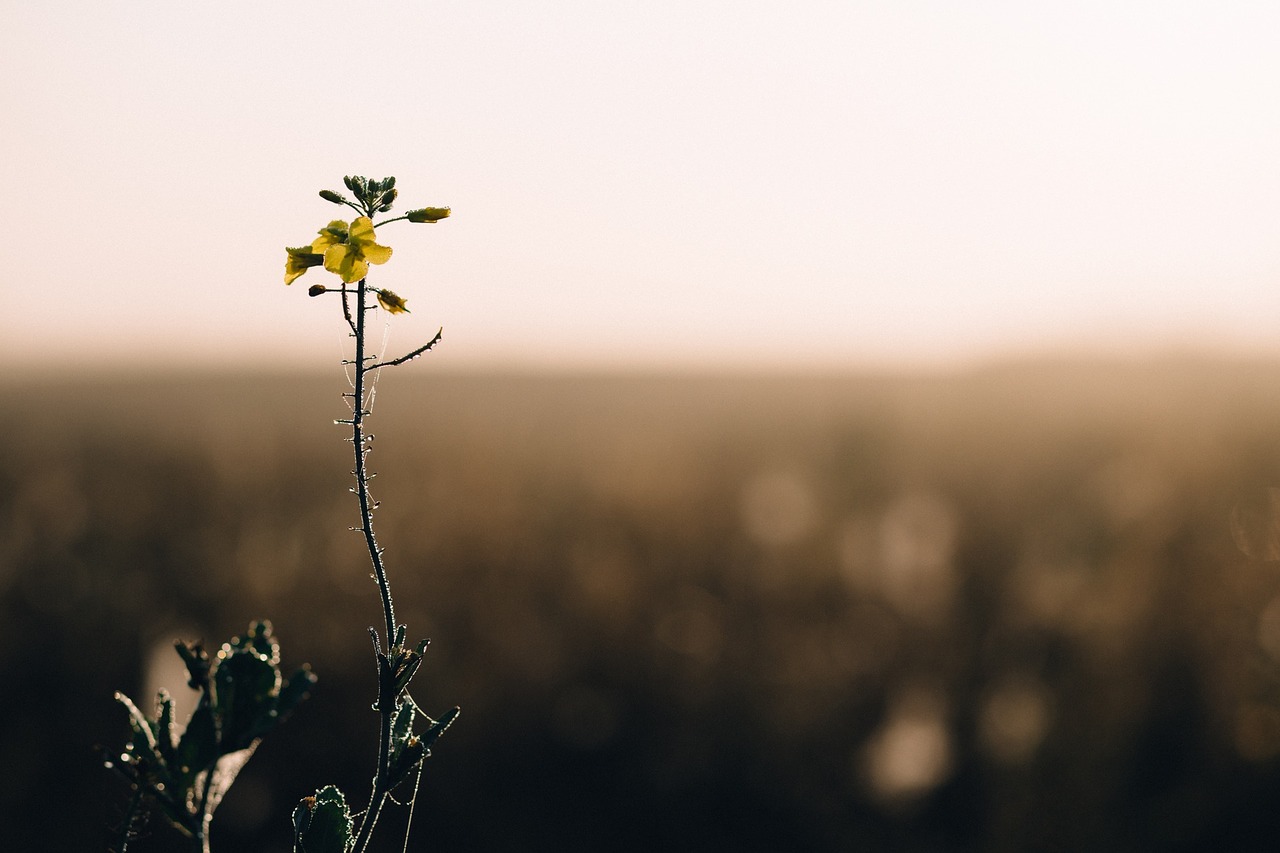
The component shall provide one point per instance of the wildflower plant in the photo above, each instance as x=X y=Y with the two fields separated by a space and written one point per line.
x=243 y=696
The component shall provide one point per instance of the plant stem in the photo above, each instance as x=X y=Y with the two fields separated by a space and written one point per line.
x=362 y=477
x=386 y=704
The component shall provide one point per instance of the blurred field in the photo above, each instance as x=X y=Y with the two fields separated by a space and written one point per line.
x=994 y=611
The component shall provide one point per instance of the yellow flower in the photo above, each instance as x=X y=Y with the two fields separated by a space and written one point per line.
x=299 y=261
x=391 y=302
x=349 y=251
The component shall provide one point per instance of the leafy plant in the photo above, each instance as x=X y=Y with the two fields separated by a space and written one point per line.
x=184 y=776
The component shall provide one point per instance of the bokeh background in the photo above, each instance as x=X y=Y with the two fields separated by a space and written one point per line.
x=1000 y=610
x=856 y=425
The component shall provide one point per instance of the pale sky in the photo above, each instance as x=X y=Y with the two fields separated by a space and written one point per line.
x=703 y=182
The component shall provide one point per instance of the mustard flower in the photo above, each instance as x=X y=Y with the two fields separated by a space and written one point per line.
x=349 y=251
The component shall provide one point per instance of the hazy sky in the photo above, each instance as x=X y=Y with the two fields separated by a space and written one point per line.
x=693 y=182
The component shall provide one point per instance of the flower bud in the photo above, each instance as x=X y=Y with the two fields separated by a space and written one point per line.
x=392 y=303
x=427 y=214
x=330 y=195
x=351 y=184
x=316 y=290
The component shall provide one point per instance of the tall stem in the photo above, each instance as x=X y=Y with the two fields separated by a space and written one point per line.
x=386 y=704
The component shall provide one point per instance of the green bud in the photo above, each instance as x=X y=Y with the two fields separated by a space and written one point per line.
x=316 y=290
x=427 y=214
x=330 y=195
x=375 y=186
x=388 y=183
x=351 y=184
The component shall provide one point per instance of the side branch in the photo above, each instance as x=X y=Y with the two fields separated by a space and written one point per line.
x=411 y=356
x=346 y=309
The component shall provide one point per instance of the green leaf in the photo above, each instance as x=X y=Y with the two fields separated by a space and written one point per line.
x=144 y=736
x=164 y=727
x=406 y=760
x=246 y=683
x=322 y=824
x=402 y=724
x=438 y=727
x=406 y=749
x=198 y=747
x=406 y=673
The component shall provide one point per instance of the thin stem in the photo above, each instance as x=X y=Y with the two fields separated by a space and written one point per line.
x=362 y=477
x=379 y=794
x=371 y=815
x=346 y=308
x=386 y=704
x=410 y=356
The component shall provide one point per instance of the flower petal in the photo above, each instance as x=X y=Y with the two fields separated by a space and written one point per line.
x=342 y=260
x=334 y=256
x=361 y=230
x=375 y=254
x=353 y=269
x=298 y=261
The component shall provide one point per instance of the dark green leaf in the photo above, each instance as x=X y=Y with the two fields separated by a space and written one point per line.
x=164 y=727
x=322 y=824
x=198 y=747
x=437 y=728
